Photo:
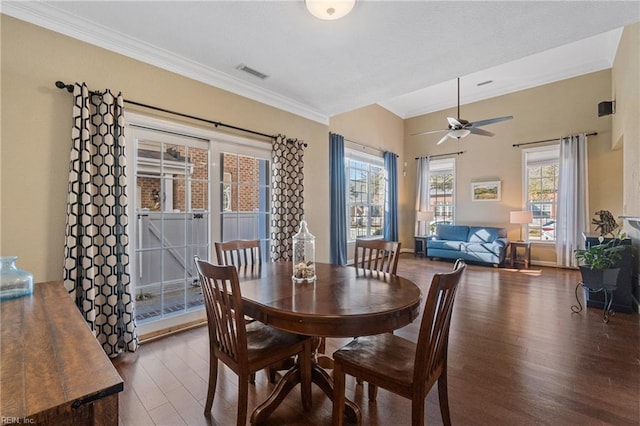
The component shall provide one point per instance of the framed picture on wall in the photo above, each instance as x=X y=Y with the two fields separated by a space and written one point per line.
x=485 y=191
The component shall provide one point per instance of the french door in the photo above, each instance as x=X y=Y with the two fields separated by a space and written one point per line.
x=172 y=186
x=192 y=187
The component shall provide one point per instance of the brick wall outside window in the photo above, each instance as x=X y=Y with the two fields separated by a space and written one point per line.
x=245 y=184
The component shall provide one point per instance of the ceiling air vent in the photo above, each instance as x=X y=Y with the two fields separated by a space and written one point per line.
x=251 y=71
x=484 y=83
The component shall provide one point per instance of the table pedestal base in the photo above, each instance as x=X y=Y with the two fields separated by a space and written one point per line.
x=291 y=378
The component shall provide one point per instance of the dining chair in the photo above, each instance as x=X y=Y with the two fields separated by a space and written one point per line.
x=245 y=254
x=244 y=347
x=377 y=255
x=239 y=253
x=399 y=365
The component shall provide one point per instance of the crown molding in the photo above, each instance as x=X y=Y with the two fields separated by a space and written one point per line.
x=52 y=18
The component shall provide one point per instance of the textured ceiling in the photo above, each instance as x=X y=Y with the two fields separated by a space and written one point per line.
x=403 y=55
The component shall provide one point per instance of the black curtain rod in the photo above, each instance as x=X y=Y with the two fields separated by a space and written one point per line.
x=69 y=87
x=367 y=146
x=441 y=155
x=515 y=145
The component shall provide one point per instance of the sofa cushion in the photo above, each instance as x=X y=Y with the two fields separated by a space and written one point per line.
x=481 y=248
x=444 y=245
x=485 y=234
x=452 y=232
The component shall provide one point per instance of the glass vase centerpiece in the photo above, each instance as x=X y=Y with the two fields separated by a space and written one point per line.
x=14 y=282
x=304 y=255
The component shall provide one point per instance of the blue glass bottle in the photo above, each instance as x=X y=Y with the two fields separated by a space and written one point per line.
x=14 y=282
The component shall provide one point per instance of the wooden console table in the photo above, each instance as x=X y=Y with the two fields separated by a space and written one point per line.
x=52 y=368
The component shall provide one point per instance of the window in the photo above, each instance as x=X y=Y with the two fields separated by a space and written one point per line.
x=541 y=190
x=441 y=190
x=366 y=185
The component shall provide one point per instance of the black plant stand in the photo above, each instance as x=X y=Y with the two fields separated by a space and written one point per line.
x=608 y=300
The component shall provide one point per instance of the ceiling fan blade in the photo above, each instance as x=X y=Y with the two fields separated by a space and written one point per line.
x=490 y=121
x=481 y=132
x=430 y=131
x=453 y=122
x=444 y=138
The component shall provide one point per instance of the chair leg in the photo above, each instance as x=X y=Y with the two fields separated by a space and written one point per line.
x=243 y=395
x=272 y=374
x=417 y=411
x=213 y=378
x=373 y=392
x=338 y=395
x=443 y=396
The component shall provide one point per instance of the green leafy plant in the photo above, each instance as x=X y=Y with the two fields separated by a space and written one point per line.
x=603 y=255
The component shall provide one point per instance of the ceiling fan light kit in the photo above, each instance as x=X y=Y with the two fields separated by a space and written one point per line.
x=459 y=128
x=329 y=10
x=459 y=133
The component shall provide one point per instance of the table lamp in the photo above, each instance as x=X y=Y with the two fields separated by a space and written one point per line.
x=521 y=217
x=424 y=216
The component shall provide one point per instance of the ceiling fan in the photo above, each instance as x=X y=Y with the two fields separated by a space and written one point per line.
x=459 y=128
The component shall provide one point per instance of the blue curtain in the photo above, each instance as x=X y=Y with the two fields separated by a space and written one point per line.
x=337 y=201
x=391 y=211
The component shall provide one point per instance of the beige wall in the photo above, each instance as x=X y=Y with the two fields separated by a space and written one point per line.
x=626 y=120
x=626 y=123
x=544 y=112
x=36 y=133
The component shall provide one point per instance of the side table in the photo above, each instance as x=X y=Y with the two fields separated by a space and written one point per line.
x=525 y=258
x=420 y=245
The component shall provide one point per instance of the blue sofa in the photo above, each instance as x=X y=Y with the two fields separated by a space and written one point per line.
x=484 y=244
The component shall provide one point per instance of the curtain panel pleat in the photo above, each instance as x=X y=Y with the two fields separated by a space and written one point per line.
x=391 y=210
x=422 y=194
x=287 y=194
x=96 y=264
x=337 y=201
x=572 y=217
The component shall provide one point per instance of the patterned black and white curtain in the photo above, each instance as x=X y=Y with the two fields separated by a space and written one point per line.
x=287 y=199
x=96 y=264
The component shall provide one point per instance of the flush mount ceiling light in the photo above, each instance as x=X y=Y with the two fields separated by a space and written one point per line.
x=329 y=10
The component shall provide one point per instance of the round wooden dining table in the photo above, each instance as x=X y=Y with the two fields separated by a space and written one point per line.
x=342 y=302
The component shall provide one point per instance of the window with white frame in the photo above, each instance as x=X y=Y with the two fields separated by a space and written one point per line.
x=442 y=179
x=366 y=186
x=541 y=190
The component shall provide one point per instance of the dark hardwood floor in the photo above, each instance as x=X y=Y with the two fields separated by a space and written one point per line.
x=517 y=356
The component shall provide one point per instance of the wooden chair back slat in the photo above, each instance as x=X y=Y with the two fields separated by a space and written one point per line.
x=239 y=253
x=377 y=255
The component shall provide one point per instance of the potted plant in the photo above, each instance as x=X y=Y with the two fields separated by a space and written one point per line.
x=597 y=263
